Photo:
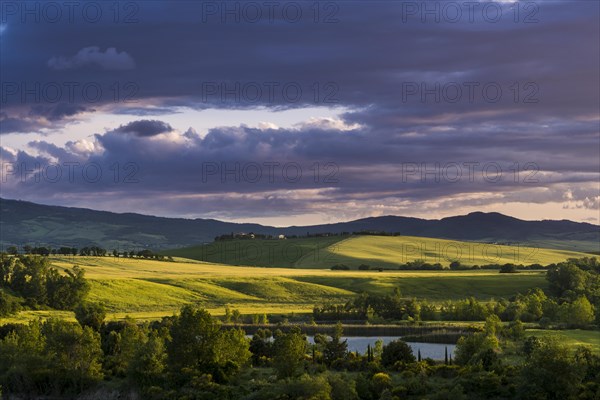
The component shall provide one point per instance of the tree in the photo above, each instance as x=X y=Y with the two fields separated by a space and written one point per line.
x=124 y=345
x=75 y=354
x=471 y=348
x=515 y=330
x=261 y=346
x=192 y=345
x=24 y=364
x=7 y=268
x=578 y=313
x=289 y=351
x=508 y=269
x=149 y=362
x=336 y=348
x=455 y=264
x=396 y=351
x=227 y=317
x=531 y=344
x=342 y=388
x=380 y=382
x=66 y=291
x=236 y=316
x=233 y=347
x=29 y=278
x=91 y=315
x=264 y=319
x=565 y=278
x=550 y=372
x=8 y=305
x=493 y=325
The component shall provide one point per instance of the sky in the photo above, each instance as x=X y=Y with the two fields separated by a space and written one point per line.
x=303 y=112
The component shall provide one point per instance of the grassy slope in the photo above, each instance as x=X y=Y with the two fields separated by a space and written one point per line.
x=387 y=251
x=263 y=253
x=572 y=337
x=377 y=251
x=149 y=289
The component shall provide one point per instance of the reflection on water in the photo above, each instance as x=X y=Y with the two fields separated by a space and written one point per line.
x=359 y=344
x=435 y=351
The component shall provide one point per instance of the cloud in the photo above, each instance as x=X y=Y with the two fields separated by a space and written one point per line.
x=93 y=56
x=57 y=112
x=355 y=64
x=327 y=124
x=18 y=125
x=145 y=128
x=41 y=117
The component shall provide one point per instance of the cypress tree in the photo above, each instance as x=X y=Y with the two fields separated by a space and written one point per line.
x=446 y=355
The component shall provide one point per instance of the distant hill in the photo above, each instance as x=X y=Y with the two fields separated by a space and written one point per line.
x=388 y=252
x=23 y=222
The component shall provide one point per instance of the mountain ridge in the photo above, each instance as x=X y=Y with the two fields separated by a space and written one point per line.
x=24 y=222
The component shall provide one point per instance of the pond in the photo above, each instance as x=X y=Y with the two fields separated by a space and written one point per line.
x=435 y=351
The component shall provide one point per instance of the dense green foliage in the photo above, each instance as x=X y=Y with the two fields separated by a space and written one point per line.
x=191 y=356
x=32 y=278
x=574 y=302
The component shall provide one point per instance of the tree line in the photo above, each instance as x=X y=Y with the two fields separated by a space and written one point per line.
x=422 y=265
x=94 y=251
x=34 y=282
x=192 y=356
x=573 y=300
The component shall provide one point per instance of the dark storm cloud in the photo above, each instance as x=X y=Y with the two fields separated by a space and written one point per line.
x=111 y=59
x=422 y=93
x=218 y=171
x=14 y=125
x=40 y=116
x=57 y=112
x=145 y=127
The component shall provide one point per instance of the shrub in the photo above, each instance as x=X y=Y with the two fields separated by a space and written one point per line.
x=396 y=351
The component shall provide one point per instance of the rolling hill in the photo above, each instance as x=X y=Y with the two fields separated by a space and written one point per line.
x=23 y=222
x=149 y=289
x=376 y=251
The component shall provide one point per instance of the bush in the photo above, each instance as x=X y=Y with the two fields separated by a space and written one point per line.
x=8 y=305
x=90 y=314
x=508 y=269
x=340 y=267
x=396 y=351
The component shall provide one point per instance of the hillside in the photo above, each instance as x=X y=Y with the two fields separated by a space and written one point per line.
x=23 y=222
x=149 y=289
x=375 y=251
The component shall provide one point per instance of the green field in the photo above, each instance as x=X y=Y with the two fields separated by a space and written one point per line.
x=262 y=252
x=375 y=251
x=572 y=337
x=292 y=275
x=149 y=289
